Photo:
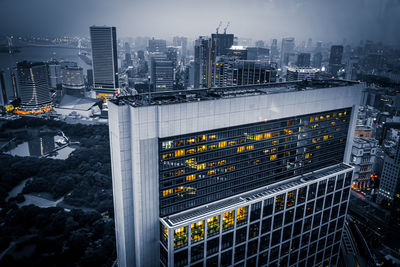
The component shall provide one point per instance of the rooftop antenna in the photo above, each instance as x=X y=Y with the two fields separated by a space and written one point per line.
x=227 y=25
x=219 y=26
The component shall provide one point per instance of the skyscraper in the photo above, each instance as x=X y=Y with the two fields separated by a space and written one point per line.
x=287 y=50
x=245 y=175
x=303 y=60
x=33 y=84
x=389 y=184
x=182 y=42
x=157 y=45
x=335 y=59
x=221 y=42
x=105 y=60
x=203 y=62
x=317 y=60
x=4 y=97
x=55 y=75
x=73 y=81
x=162 y=74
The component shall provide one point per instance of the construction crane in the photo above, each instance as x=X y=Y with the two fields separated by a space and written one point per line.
x=227 y=25
x=219 y=26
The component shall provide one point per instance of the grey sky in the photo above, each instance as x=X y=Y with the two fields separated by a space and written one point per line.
x=327 y=20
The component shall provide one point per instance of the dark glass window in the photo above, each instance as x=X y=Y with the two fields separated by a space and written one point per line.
x=212 y=246
x=274 y=254
x=339 y=182
x=325 y=216
x=343 y=208
x=264 y=242
x=276 y=237
x=254 y=230
x=317 y=220
x=323 y=231
x=197 y=252
x=279 y=202
x=299 y=212
x=212 y=261
x=314 y=235
x=285 y=248
x=227 y=241
x=293 y=258
x=336 y=199
x=302 y=194
x=295 y=243
x=278 y=218
x=287 y=232
x=255 y=211
x=305 y=238
x=345 y=194
x=321 y=188
x=263 y=258
x=241 y=235
x=307 y=224
x=319 y=204
x=239 y=252
x=297 y=228
x=181 y=258
x=268 y=206
x=163 y=255
x=332 y=226
x=310 y=208
x=251 y=262
x=349 y=176
x=312 y=191
x=313 y=248
x=266 y=225
x=226 y=258
x=252 y=248
x=289 y=214
x=331 y=185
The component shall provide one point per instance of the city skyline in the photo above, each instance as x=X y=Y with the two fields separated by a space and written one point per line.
x=321 y=20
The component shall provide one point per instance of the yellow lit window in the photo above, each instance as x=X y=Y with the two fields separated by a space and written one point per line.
x=326 y=137
x=164 y=231
x=311 y=119
x=334 y=115
x=275 y=142
x=191 y=151
x=328 y=116
x=211 y=164
x=314 y=140
x=241 y=216
x=179 y=153
x=191 y=141
x=340 y=114
x=201 y=166
x=241 y=141
x=197 y=231
x=256 y=162
x=212 y=146
x=191 y=163
x=179 y=172
x=212 y=137
x=273 y=157
x=259 y=137
x=273 y=150
x=250 y=147
x=231 y=168
x=180 y=237
x=231 y=143
x=316 y=118
x=212 y=172
x=202 y=148
x=333 y=123
x=179 y=143
x=248 y=136
x=318 y=147
x=167 y=144
x=266 y=151
x=221 y=162
x=167 y=155
x=202 y=138
x=267 y=135
x=167 y=192
x=213 y=225
x=191 y=177
x=222 y=144
x=307 y=156
x=288 y=123
x=228 y=220
x=240 y=149
x=286 y=131
x=321 y=117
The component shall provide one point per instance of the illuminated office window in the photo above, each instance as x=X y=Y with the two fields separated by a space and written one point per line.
x=228 y=220
x=213 y=225
x=241 y=217
x=180 y=237
x=197 y=231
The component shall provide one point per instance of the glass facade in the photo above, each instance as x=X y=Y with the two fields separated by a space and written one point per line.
x=196 y=169
x=286 y=236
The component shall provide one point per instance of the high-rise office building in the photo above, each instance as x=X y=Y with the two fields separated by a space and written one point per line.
x=274 y=51
x=304 y=60
x=221 y=42
x=55 y=75
x=4 y=97
x=105 y=60
x=203 y=62
x=162 y=74
x=230 y=71
x=287 y=50
x=317 y=60
x=363 y=155
x=335 y=59
x=249 y=175
x=73 y=81
x=260 y=43
x=389 y=186
x=182 y=42
x=157 y=45
x=301 y=74
x=33 y=84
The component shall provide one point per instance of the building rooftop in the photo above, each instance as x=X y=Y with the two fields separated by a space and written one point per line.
x=244 y=198
x=195 y=95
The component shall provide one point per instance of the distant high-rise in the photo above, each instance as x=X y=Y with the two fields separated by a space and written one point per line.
x=182 y=42
x=389 y=184
x=287 y=50
x=33 y=84
x=296 y=74
x=274 y=51
x=203 y=62
x=4 y=98
x=335 y=59
x=317 y=60
x=221 y=42
x=260 y=43
x=105 y=60
x=162 y=74
x=303 y=60
x=55 y=75
x=157 y=45
x=73 y=81
x=89 y=75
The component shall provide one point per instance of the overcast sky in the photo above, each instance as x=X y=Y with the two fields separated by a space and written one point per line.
x=326 y=20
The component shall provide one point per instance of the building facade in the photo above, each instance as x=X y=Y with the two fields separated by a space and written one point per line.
x=33 y=84
x=193 y=173
x=389 y=186
x=296 y=74
x=203 y=62
x=335 y=59
x=105 y=60
x=363 y=156
x=162 y=74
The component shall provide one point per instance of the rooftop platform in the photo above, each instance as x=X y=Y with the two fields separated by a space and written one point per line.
x=195 y=95
x=245 y=198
